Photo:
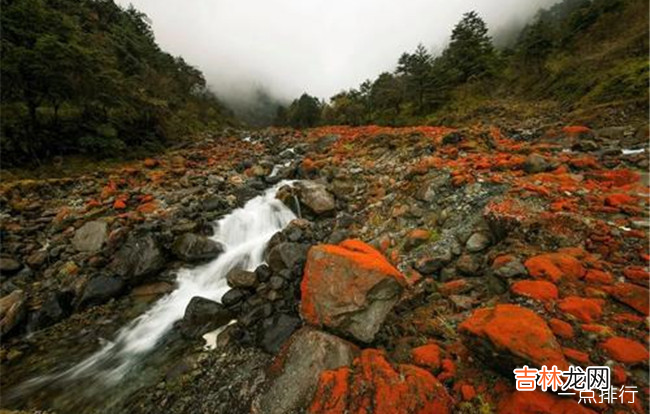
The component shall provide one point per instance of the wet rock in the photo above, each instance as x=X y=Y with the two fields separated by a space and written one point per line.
x=233 y=297
x=9 y=266
x=509 y=336
x=100 y=290
x=12 y=311
x=535 y=163
x=286 y=256
x=239 y=278
x=138 y=258
x=91 y=236
x=350 y=287
x=477 y=242
x=56 y=307
x=374 y=382
x=201 y=316
x=263 y=273
x=277 y=331
x=306 y=355
x=196 y=248
x=215 y=203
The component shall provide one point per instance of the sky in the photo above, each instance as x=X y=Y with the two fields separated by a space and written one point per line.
x=315 y=46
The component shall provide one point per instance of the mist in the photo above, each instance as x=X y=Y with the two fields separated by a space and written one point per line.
x=287 y=47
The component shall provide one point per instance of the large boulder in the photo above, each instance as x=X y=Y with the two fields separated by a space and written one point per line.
x=509 y=336
x=12 y=310
x=313 y=197
x=374 y=382
x=100 y=290
x=196 y=248
x=138 y=258
x=350 y=288
x=203 y=315
x=90 y=237
x=294 y=376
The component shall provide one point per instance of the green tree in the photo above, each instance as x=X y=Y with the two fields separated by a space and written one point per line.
x=470 y=53
x=416 y=71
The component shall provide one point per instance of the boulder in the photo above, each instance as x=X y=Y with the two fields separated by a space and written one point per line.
x=350 y=288
x=100 y=290
x=509 y=336
x=239 y=278
x=196 y=248
x=315 y=197
x=138 y=258
x=374 y=382
x=90 y=237
x=12 y=311
x=295 y=373
x=55 y=308
x=286 y=256
x=203 y=315
x=9 y=266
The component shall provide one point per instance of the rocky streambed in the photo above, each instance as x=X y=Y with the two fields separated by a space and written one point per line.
x=411 y=271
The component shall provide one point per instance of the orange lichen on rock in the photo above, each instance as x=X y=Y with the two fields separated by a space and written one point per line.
x=517 y=330
x=575 y=355
x=625 y=350
x=427 y=356
x=599 y=276
x=374 y=382
x=337 y=284
x=555 y=267
x=584 y=309
x=536 y=289
x=561 y=328
x=636 y=297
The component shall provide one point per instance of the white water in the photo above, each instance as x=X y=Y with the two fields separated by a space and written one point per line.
x=244 y=234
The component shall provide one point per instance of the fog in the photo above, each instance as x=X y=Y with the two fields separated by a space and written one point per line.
x=318 y=46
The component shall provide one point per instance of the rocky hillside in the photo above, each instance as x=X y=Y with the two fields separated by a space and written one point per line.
x=426 y=264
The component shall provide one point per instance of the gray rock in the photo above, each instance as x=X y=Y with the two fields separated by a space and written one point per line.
x=100 y=290
x=315 y=197
x=513 y=268
x=286 y=256
x=203 y=315
x=277 y=331
x=238 y=278
x=477 y=242
x=12 y=311
x=196 y=248
x=233 y=297
x=308 y=354
x=90 y=237
x=430 y=264
x=138 y=258
x=535 y=163
x=37 y=259
x=431 y=189
x=614 y=133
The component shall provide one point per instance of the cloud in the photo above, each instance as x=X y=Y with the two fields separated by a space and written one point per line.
x=318 y=46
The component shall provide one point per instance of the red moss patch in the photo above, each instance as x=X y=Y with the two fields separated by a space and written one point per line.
x=374 y=382
x=625 y=350
x=555 y=267
x=636 y=297
x=536 y=289
x=584 y=309
x=561 y=328
x=517 y=330
x=427 y=356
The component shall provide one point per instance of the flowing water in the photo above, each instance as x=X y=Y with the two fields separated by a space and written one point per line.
x=244 y=234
